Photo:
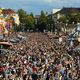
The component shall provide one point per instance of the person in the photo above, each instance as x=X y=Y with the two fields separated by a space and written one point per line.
x=34 y=76
x=24 y=77
x=47 y=77
x=38 y=59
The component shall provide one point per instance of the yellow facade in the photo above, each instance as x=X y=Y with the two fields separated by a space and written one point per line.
x=0 y=11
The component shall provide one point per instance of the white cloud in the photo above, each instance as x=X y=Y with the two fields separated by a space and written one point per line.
x=41 y=1
x=50 y=1
x=37 y=5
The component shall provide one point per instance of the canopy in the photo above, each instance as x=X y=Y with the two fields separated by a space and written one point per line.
x=5 y=43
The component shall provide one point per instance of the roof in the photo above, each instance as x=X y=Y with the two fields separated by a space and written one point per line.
x=8 y=11
x=5 y=43
x=70 y=10
x=55 y=10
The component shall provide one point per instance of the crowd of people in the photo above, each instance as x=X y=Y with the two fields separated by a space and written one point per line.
x=39 y=57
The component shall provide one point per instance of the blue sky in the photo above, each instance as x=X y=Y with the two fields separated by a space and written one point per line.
x=36 y=6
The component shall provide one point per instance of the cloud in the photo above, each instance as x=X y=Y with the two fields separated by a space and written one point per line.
x=37 y=5
x=49 y=1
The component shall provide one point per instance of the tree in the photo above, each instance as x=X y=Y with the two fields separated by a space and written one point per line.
x=31 y=14
x=71 y=18
x=22 y=15
x=29 y=23
x=62 y=19
x=42 y=21
x=50 y=23
x=77 y=18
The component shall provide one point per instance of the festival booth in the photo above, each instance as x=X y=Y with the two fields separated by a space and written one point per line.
x=4 y=45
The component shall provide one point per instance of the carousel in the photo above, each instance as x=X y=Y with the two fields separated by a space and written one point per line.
x=4 y=43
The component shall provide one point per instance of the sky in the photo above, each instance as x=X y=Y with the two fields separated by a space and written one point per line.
x=36 y=6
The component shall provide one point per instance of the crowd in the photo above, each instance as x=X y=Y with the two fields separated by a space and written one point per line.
x=39 y=57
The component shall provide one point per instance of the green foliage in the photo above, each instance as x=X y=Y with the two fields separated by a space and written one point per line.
x=62 y=19
x=31 y=14
x=49 y=22
x=26 y=21
x=30 y=23
x=70 y=18
x=77 y=18
x=22 y=15
x=42 y=21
